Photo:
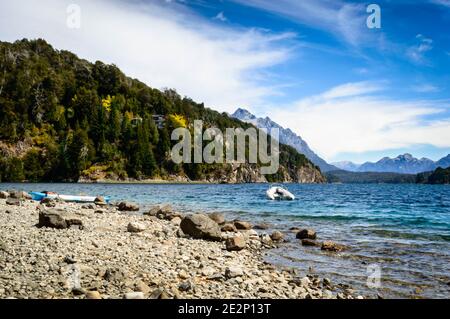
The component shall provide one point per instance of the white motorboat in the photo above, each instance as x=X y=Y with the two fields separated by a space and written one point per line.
x=277 y=192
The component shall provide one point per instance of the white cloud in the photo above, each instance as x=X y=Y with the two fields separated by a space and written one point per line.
x=160 y=46
x=416 y=53
x=355 y=121
x=221 y=17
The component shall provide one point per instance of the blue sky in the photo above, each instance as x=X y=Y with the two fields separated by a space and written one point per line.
x=351 y=92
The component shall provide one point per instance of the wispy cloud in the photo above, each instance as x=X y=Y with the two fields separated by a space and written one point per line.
x=416 y=53
x=351 y=119
x=163 y=47
x=347 y=21
x=426 y=88
x=445 y=3
x=221 y=17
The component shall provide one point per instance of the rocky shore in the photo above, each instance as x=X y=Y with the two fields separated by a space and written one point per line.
x=55 y=249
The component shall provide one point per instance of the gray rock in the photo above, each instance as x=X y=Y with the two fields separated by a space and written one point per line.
x=4 y=195
x=306 y=234
x=265 y=239
x=228 y=227
x=52 y=219
x=200 y=226
x=128 y=207
x=233 y=271
x=19 y=195
x=134 y=295
x=277 y=236
x=13 y=202
x=218 y=218
x=242 y=225
x=262 y=226
x=309 y=242
x=332 y=246
x=235 y=243
x=100 y=201
x=185 y=286
x=135 y=227
x=78 y=291
x=93 y=295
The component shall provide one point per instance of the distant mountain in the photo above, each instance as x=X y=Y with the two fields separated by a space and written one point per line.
x=443 y=162
x=404 y=164
x=286 y=137
x=347 y=166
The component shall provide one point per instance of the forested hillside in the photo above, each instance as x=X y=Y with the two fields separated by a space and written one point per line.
x=65 y=119
x=439 y=176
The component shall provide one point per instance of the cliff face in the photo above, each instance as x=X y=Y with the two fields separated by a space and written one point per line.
x=230 y=174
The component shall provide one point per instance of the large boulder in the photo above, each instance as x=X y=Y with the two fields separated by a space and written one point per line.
x=218 y=218
x=241 y=225
x=235 y=243
x=306 y=234
x=200 y=226
x=4 y=195
x=128 y=207
x=59 y=219
x=332 y=246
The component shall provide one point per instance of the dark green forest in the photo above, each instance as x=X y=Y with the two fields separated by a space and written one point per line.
x=62 y=117
x=369 y=177
x=439 y=176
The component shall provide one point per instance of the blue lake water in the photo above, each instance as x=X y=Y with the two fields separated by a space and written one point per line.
x=402 y=231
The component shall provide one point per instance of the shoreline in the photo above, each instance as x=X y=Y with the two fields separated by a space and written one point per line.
x=103 y=256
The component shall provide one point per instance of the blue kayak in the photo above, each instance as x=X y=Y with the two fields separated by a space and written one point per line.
x=67 y=198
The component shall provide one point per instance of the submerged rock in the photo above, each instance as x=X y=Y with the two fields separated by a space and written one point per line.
x=309 y=242
x=306 y=234
x=200 y=226
x=332 y=246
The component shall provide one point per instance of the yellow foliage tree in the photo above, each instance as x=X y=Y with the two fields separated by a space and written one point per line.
x=106 y=103
x=178 y=120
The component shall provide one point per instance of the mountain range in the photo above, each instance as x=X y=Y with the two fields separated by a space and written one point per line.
x=405 y=164
x=286 y=137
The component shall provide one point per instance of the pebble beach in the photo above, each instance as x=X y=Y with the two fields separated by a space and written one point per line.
x=59 y=250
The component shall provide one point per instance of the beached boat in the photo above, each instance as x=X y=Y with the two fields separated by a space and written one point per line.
x=67 y=198
x=277 y=192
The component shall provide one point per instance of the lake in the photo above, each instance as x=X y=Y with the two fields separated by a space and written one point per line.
x=400 y=231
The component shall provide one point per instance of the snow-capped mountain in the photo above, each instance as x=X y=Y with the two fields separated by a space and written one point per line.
x=347 y=166
x=286 y=137
x=406 y=164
